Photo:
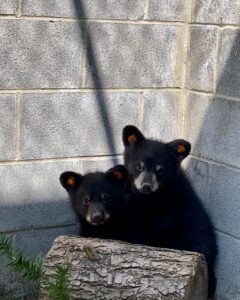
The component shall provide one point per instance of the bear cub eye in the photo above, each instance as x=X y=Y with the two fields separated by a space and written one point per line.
x=104 y=198
x=139 y=166
x=159 y=170
x=86 y=200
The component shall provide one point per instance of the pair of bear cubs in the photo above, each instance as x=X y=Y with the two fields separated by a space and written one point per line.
x=148 y=201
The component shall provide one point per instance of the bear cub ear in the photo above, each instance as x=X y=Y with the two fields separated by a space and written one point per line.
x=70 y=179
x=131 y=135
x=118 y=173
x=181 y=148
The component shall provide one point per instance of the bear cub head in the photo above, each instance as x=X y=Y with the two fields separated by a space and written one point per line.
x=151 y=163
x=96 y=197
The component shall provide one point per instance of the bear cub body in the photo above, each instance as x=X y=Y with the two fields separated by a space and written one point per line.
x=98 y=201
x=164 y=210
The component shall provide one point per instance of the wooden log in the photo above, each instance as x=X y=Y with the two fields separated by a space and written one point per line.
x=107 y=270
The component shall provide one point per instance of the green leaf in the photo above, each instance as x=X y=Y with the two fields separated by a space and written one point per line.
x=6 y=246
x=59 y=288
x=30 y=270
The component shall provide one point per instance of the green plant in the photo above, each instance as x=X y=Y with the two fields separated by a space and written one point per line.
x=59 y=287
x=30 y=270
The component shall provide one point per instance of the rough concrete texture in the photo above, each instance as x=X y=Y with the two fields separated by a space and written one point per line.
x=7 y=126
x=34 y=54
x=228 y=268
x=198 y=174
x=166 y=10
x=101 y=164
x=100 y=9
x=38 y=242
x=216 y=11
x=229 y=63
x=213 y=126
x=224 y=199
x=33 y=196
x=202 y=58
x=161 y=115
x=73 y=124
x=8 y=7
x=130 y=55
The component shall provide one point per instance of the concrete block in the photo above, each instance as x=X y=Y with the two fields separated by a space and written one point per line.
x=100 y=9
x=7 y=126
x=198 y=174
x=40 y=54
x=100 y=164
x=228 y=74
x=202 y=58
x=8 y=7
x=75 y=124
x=32 y=196
x=38 y=242
x=162 y=115
x=166 y=10
x=132 y=55
x=216 y=11
x=213 y=126
x=224 y=199
x=228 y=268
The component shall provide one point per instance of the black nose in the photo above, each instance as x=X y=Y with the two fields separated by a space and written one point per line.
x=147 y=188
x=97 y=218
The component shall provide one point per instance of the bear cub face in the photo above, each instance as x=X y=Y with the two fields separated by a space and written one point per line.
x=151 y=163
x=96 y=197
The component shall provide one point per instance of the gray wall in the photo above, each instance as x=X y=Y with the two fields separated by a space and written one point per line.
x=74 y=73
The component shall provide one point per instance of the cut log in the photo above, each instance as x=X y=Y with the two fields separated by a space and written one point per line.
x=107 y=270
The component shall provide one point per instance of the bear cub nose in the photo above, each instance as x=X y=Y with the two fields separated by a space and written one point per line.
x=97 y=218
x=146 y=188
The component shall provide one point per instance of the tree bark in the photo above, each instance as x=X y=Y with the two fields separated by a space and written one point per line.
x=107 y=270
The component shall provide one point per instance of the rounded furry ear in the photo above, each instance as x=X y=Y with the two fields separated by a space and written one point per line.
x=131 y=135
x=118 y=173
x=181 y=148
x=70 y=179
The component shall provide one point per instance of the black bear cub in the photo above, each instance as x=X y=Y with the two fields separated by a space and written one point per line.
x=98 y=201
x=164 y=210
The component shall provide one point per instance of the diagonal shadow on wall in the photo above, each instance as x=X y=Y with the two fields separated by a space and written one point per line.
x=213 y=125
x=216 y=122
x=96 y=76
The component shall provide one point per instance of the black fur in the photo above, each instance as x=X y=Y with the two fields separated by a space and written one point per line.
x=172 y=216
x=100 y=196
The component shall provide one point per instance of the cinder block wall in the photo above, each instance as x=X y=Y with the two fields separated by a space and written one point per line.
x=74 y=73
